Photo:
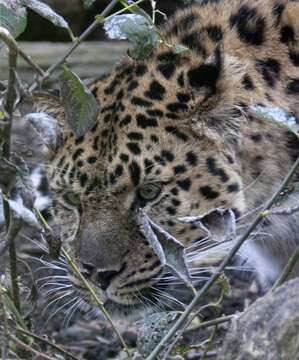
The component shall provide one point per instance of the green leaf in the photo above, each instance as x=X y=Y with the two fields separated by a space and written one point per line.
x=46 y=12
x=49 y=14
x=80 y=105
x=87 y=3
x=135 y=28
x=13 y=17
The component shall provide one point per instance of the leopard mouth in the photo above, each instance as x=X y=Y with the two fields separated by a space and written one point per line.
x=131 y=296
x=139 y=302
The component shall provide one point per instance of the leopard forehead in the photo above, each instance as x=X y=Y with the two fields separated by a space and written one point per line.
x=184 y=123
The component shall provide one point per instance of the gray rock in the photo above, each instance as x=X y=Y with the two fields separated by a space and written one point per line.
x=268 y=330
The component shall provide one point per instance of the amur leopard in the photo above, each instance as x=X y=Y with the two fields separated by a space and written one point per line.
x=176 y=136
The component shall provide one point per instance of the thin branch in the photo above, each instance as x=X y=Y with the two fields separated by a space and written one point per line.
x=11 y=95
x=97 y=300
x=11 y=307
x=11 y=227
x=287 y=270
x=29 y=348
x=5 y=327
x=12 y=44
x=210 y=323
x=127 y=7
x=14 y=228
x=91 y=291
x=44 y=340
x=182 y=330
x=74 y=45
x=179 y=323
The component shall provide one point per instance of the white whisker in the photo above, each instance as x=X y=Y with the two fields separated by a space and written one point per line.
x=58 y=310
x=62 y=277
x=71 y=311
x=168 y=297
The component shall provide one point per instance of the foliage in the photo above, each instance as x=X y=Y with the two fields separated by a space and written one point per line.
x=80 y=105
x=13 y=17
x=135 y=28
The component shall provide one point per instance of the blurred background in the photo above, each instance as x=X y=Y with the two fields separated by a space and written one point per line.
x=45 y=42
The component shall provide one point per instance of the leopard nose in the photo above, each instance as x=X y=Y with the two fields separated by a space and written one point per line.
x=102 y=277
x=89 y=270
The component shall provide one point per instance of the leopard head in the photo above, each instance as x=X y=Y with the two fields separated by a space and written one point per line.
x=165 y=142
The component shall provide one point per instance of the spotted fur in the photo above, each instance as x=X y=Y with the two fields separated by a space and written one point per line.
x=182 y=125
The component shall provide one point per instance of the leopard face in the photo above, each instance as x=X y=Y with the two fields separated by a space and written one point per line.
x=176 y=137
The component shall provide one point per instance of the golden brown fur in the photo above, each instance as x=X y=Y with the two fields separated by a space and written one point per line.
x=185 y=125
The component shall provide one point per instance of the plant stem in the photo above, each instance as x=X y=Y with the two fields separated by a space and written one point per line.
x=4 y=349
x=11 y=307
x=29 y=348
x=11 y=228
x=45 y=341
x=14 y=272
x=222 y=265
x=190 y=319
x=287 y=269
x=11 y=95
x=210 y=323
x=97 y=300
x=132 y=7
x=74 y=45
x=90 y=289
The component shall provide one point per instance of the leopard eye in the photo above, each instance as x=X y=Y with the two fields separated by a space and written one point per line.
x=149 y=191
x=72 y=199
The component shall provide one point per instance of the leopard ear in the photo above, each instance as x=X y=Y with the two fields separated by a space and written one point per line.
x=46 y=114
x=213 y=87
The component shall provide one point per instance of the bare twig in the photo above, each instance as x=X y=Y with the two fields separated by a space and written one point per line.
x=90 y=289
x=129 y=6
x=74 y=45
x=14 y=227
x=182 y=330
x=12 y=44
x=210 y=323
x=44 y=340
x=11 y=307
x=5 y=327
x=9 y=104
x=97 y=300
x=179 y=323
x=287 y=270
x=28 y=347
